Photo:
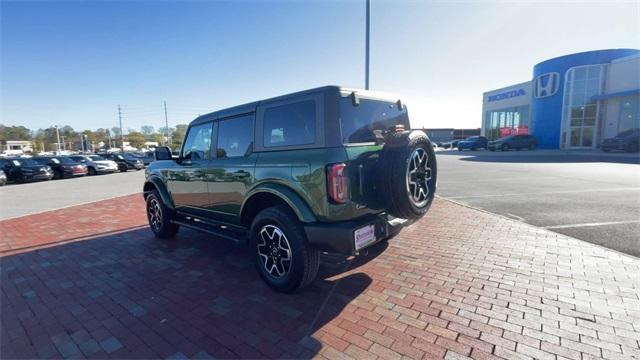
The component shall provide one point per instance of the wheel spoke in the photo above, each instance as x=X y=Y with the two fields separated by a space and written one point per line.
x=418 y=176
x=274 y=251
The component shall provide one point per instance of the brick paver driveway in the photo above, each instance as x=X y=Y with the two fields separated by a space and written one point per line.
x=459 y=283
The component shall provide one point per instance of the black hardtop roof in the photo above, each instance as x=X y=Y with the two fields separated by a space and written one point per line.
x=251 y=107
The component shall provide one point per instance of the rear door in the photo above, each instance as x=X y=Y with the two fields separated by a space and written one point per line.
x=186 y=182
x=231 y=171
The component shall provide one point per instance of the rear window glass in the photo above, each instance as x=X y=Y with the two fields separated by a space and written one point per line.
x=360 y=122
x=291 y=124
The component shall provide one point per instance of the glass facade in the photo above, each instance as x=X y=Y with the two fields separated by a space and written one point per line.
x=505 y=122
x=629 y=118
x=580 y=112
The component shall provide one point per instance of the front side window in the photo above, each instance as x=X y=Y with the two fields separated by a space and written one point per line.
x=291 y=124
x=235 y=137
x=197 y=146
x=361 y=122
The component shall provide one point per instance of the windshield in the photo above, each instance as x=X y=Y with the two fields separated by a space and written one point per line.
x=359 y=122
x=25 y=162
x=627 y=133
x=64 y=160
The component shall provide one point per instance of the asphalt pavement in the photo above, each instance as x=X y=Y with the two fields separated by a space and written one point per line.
x=34 y=197
x=593 y=197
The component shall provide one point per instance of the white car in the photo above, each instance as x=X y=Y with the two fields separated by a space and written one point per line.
x=96 y=164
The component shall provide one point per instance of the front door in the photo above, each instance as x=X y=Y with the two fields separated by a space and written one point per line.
x=231 y=171
x=186 y=181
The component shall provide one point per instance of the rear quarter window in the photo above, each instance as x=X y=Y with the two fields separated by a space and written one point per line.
x=290 y=124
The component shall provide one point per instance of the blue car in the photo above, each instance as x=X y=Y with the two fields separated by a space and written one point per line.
x=473 y=143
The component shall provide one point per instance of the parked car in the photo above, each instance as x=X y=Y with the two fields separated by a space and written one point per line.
x=473 y=143
x=514 y=142
x=325 y=170
x=450 y=144
x=624 y=141
x=63 y=166
x=126 y=161
x=96 y=164
x=147 y=157
x=3 y=178
x=24 y=170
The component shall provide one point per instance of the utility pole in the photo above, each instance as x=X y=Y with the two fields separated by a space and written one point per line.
x=166 y=124
x=82 y=143
x=366 y=57
x=58 y=136
x=121 y=132
x=64 y=147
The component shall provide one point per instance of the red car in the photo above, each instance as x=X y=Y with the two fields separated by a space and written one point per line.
x=63 y=166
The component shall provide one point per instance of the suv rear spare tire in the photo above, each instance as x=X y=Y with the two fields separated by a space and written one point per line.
x=280 y=250
x=408 y=174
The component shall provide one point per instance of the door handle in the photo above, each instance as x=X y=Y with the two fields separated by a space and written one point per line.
x=241 y=174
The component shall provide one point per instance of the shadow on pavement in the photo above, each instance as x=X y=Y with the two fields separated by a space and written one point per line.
x=537 y=156
x=129 y=295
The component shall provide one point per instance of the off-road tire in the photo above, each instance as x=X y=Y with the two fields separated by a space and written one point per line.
x=305 y=260
x=394 y=178
x=166 y=229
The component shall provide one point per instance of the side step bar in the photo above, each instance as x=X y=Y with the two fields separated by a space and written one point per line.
x=220 y=230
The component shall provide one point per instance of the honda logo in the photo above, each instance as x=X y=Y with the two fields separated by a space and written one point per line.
x=547 y=85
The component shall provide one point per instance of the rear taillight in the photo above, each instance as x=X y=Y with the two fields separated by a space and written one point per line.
x=337 y=183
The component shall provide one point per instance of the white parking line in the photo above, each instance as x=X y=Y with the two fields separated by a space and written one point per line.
x=545 y=193
x=592 y=224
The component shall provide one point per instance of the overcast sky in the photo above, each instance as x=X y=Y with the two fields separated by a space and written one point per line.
x=72 y=63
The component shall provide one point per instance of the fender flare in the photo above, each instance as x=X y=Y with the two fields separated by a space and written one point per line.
x=290 y=197
x=162 y=190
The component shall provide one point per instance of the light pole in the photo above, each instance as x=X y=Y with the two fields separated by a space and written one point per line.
x=366 y=56
x=82 y=142
x=58 y=136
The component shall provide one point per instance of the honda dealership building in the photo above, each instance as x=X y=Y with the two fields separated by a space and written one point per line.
x=573 y=101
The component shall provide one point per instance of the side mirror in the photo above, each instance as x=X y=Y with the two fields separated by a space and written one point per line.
x=163 y=153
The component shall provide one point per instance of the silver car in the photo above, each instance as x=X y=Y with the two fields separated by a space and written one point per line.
x=96 y=164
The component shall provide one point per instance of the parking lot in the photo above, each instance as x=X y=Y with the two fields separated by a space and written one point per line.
x=29 y=198
x=90 y=280
x=593 y=197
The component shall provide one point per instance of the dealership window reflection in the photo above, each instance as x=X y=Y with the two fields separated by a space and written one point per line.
x=505 y=122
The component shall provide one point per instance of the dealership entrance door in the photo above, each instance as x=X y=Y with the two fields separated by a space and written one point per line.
x=581 y=137
x=580 y=109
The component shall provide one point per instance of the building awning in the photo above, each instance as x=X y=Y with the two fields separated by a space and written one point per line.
x=616 y=94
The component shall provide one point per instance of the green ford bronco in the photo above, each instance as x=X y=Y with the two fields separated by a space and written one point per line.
x=327 y=170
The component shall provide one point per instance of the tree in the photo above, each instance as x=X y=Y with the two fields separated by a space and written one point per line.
x=14 y=133
x=157 y=137
x=178 y=136
x=147 y=130
x=136 y=139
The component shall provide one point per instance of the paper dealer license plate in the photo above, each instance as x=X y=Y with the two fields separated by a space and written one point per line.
x=365 y=236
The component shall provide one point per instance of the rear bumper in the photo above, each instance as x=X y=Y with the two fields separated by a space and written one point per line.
x=339 y=237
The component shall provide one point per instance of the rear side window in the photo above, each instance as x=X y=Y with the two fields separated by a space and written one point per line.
x=197 y=146
x=235 y=137
x=291 y=124
x=361 y=122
